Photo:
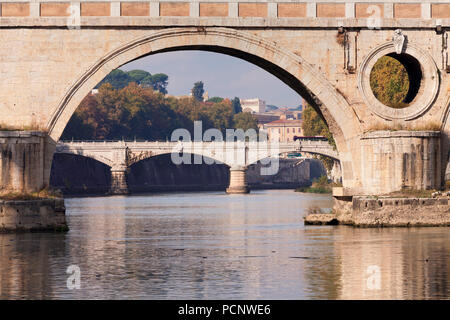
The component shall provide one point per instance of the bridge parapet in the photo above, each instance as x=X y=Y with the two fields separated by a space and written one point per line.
x=232 y=154
x=282 y=13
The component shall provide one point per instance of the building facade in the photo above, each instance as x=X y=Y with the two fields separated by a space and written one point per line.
x=253 y=105
x=283 y=130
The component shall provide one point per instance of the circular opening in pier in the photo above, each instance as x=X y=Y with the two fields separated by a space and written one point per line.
x=395 y=80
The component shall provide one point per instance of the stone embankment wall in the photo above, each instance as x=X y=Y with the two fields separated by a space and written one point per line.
x=292 y=173
x=394 y=212
x=81 y=175
x=33 y=215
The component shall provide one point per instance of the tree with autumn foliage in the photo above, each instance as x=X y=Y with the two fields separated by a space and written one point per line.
x=389 y=82
x=314 y=125
x=144 y=113
x=245 y=121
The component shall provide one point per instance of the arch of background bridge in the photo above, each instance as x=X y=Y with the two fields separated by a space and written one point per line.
x=219 y=161
x=191 y=154
x=103 y=160
x=290 y=68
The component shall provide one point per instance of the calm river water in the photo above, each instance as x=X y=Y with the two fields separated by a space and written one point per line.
x=210 y=245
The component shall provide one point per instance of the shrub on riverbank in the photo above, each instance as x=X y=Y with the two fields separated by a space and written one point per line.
x=320 y=185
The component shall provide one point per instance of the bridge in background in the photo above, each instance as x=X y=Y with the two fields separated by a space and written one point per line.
x=120 y=155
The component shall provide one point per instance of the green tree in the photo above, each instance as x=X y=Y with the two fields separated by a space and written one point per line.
x=120 y=79
x=244 y=121
x=215 y=99
x=138 y=75
x=117 y=78
x=158 y=82
x=236 y=105
x=314 y=125
x=198 y=91
x=389 y=82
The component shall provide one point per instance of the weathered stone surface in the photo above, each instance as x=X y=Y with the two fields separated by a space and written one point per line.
x=25 y=161
x=33 y=215
x=213 y=9
x=393 y=212
x=247 y=10
x=95 y=9
x=440 y=10
x=321 y=219
x=238 y=180
x=135 y=9
x=291 y=10
x=330 y=10
x=366 y=10
x=58 y=9
x=119 y=183
x=15 y=9
x=174 y=9
x=407 y=10
x=401 y=159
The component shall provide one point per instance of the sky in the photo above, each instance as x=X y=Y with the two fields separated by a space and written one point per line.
x=222 y=75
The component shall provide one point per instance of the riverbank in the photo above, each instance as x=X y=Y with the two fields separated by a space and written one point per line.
x=385 y=212
x=320 y=185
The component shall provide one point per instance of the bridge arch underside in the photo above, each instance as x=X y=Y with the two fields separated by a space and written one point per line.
x=90 y=155
x=290 y=68
x=159 y=173
x=75 y=173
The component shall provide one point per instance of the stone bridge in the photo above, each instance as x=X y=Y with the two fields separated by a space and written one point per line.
x=54 y=52
x=120 y=155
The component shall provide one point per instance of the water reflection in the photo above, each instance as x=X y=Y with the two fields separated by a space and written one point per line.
x=216 y=246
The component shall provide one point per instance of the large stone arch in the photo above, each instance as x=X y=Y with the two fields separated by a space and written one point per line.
x=292 y=69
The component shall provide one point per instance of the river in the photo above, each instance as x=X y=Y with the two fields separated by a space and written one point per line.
x=209 y=245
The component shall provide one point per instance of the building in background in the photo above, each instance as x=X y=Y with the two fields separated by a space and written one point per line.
x=264 y=118
x=253 y=105
x=285 y=113
x=283 y=130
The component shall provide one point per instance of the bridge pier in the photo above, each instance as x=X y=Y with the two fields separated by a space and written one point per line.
x=238 y=180
x=119 y=184
x=397 y=166
x=25 y=164
x=397 y=160
x=26 y=158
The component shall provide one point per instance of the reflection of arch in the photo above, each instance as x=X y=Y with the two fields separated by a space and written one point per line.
x=305 y=79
